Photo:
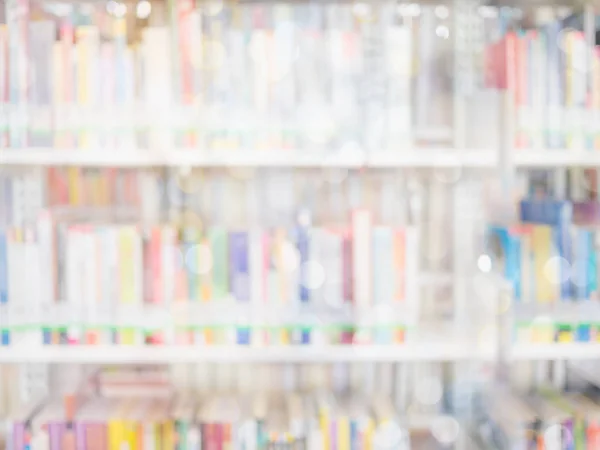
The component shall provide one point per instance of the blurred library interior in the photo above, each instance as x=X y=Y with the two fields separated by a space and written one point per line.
x=308 y=224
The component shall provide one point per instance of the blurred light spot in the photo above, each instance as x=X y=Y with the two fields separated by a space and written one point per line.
x=290 y=257
x=389 y=435
x=199 y=259
x=429 y=391
x=362 y=11
x=414 y=10
x=442 y=31
x=111 y=7
x=445 y=429
x=143 y=9
x=442 y=12
x=557 y=270
x=313 y=275
x=484 y=263
x=304 y=218
x=120 y=10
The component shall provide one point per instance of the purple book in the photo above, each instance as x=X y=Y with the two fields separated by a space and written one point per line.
x=586 y=213
x=239 y=275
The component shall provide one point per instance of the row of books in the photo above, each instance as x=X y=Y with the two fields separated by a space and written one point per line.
x=546 y=419
x=227 y=197
x=552 y=74
x=551 y=255
x=262 y=421
x=257 y=76
x=88 y=279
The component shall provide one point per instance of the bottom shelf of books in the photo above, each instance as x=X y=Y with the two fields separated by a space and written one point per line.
x=147 y=407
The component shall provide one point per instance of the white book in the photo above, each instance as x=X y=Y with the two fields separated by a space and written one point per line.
x=257 y=268
x=399 y=68
x=158 y=82
x=362 y=258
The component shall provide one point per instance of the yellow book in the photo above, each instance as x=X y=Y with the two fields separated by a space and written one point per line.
x=546 y=281
x=117 y=426
x=205 y=269
x=126 y=276
x=343 y=425
x=168 y=435
x=126 y=269
x=324 y=423
x=75 y=186
x=368 y=433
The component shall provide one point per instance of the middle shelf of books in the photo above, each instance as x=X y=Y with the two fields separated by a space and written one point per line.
x=145 y=265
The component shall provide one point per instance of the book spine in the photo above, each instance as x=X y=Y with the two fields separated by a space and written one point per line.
x=303 y=245
x=541 y=244
x=17 y=19
x=238 y=260
x=399 y=249
x=596 y=97
x=383 y=265
x=361 y=252
x=257 y=268
x=554 y=112
x=4 y=86
x=184 y=25
x=219 y=245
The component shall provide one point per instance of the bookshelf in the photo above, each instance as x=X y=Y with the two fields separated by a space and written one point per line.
x=443 y=158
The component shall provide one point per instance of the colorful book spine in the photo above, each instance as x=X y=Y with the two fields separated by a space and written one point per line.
x=238 y=260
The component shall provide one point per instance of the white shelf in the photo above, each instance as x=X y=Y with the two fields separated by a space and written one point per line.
x=434 y=158
x=432 y=351
x=553 y=158
x=416 y=158
x=555 y=351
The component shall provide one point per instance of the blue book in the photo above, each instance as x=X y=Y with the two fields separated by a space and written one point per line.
x=559 y=215
x=505 y=247
x=592 y=265
x=239 y=273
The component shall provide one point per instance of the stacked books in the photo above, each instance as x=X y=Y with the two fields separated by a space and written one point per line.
x=104 y=264
x=546 y=419
x=232 y=76
x=552 y=76
x=551 y=260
